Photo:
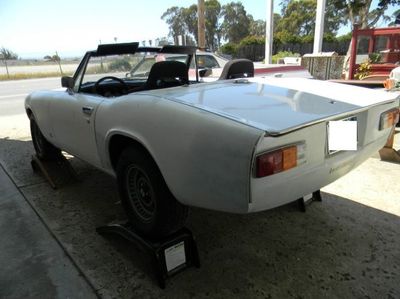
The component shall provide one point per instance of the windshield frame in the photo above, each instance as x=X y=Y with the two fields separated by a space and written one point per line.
x=132 y=48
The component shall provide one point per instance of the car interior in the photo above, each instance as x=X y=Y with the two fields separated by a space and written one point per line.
x=163 y=74
x=237 y=68
x=118 y=69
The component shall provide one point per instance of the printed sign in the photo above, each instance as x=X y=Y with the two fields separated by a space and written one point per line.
x=175 y=256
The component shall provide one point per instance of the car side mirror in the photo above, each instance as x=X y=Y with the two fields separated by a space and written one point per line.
x=205 y=72
x=128 y=75
x=67 y=82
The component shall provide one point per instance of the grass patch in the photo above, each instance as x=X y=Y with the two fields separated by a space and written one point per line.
x=21 y=76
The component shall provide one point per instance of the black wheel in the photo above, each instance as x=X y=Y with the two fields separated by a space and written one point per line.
x=149 y=204
x=44 y=149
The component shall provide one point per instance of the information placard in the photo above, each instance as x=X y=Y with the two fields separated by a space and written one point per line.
x=175 y=256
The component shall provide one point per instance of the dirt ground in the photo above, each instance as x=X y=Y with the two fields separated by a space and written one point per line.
x=347 y=246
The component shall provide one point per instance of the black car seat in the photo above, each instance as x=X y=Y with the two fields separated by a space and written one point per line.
x=237 y=68
x=168 y=73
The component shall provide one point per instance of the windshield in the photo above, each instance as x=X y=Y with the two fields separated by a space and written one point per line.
x=127 y=67
x=143 y=67
x=116 y=75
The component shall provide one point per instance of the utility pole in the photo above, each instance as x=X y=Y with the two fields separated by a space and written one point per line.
x=201 y=25
x=269 y=31
x=319 y=26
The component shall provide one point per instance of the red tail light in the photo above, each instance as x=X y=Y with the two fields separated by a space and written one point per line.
x=277 y=161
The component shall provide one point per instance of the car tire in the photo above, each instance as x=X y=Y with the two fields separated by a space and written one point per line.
x=44 y=149
x=149 y=204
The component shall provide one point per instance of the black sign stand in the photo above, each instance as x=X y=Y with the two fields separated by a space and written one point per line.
x=169 y=255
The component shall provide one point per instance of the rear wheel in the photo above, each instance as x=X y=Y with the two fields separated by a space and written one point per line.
x=44 y=149
x=150 y=206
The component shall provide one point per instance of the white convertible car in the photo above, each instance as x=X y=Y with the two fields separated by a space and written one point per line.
x=238 y=145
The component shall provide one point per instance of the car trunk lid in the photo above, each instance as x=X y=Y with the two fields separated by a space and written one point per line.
x=278 y=105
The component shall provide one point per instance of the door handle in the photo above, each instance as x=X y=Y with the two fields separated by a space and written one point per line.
x=87 y=110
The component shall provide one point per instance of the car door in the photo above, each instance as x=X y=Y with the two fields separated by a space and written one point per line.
x=73 y=120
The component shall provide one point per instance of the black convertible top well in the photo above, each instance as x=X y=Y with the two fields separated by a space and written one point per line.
x=169 y=49
x=178 y=49
x=116 y=49
x=131 y=48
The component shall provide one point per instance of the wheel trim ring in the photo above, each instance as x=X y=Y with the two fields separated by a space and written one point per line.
x=140 y=193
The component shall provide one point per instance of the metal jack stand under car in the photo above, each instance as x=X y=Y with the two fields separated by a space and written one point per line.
x=169 y=255
x=57 y=172
x=306 y=200
x=388 y=153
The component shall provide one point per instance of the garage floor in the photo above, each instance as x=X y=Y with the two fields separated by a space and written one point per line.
x=346 y=246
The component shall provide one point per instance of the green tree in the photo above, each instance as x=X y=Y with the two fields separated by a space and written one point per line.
x=174 y=18
x=298 y=17
x=334 y=18
x=363 y=12
x=189 y=16
x=395 y=16
x=213 y=30
x=257 y=27
x=6 y=54
x=236 y=22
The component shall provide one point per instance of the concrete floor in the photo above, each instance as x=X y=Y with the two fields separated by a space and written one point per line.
x=345 y=247
x=32 y=263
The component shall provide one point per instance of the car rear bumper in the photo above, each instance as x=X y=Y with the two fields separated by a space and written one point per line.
x=282 y=188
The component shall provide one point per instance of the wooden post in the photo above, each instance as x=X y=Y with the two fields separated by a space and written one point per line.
x=201 y=25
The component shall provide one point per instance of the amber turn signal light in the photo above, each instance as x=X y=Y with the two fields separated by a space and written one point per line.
x=389 y=119
x=279 y=160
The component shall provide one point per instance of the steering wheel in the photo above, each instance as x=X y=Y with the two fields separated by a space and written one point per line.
x=120 y=81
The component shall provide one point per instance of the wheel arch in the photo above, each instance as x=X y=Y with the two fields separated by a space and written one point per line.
x=29 y=112
x=118 y=142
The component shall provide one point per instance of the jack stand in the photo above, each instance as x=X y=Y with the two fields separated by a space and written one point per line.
x=169 y=255
x=302 y=202
x=55 y=171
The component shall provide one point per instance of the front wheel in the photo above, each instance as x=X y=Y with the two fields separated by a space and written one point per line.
x=150 y=206
x=44 y=149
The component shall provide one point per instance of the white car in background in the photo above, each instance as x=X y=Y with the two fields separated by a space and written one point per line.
x=238 y=145
x=215 y=63
x=205 y=60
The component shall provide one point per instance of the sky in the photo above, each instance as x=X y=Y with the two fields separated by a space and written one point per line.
x=35 y=28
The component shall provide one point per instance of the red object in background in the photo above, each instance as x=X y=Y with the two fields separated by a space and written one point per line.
x=382 y=45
